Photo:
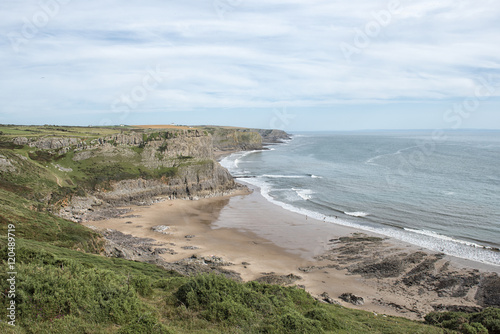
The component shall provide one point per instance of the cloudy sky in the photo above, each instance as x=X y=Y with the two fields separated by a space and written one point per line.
x=295 y=64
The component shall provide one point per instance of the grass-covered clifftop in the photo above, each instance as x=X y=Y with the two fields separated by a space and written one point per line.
x=64 y=285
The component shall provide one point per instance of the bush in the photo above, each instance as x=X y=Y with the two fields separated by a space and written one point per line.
x=230 y=312
x=219 y=299
x=484 y=322
x=146 y=323
x=204 y=290
x=474 y=328
x=254 y=306
x=49 y=293
x=143 y=285
x=489 y=318
x=327 y=321
x=64 y=325
x=295 y=322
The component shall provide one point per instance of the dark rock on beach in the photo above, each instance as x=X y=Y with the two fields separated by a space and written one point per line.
x=128 y=247
x=272 y=278
x=389 y=267
x=324 y=297
x=148 y=250
x=350 y=298
x=190 y=247
x=411 y=274
x=488 y=293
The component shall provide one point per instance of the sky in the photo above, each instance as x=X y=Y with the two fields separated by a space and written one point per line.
x=293 y=65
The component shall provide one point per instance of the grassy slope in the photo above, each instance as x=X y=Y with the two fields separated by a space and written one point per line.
x=61 y=290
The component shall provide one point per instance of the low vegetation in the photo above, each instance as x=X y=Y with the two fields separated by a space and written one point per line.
x=484 y=322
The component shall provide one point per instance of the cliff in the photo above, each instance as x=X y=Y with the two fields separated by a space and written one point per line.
x=272 y=136
x=86 y=175
x=243 y=139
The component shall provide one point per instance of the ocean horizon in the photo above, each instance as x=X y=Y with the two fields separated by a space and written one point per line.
x=436 y=190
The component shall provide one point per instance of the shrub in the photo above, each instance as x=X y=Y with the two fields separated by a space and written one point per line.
x=146 y=323
x=143 y=285
x=65 y=288
x=295 y=322
x=486 y=321
x=474 y=328
x=489 y=318
x=230 y=312
x=254 y=306
x=204 y=290
x=64 y=325
x=326 y=319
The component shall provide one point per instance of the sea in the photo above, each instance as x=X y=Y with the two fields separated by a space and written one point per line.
x=436 y=189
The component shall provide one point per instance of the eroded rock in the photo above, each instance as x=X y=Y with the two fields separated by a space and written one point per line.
x=351 y=298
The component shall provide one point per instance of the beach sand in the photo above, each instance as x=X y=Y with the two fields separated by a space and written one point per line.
x=259 y=238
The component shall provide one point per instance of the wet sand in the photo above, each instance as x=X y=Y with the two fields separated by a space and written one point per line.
x=259 y=237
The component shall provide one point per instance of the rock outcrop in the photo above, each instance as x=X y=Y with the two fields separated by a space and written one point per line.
x=272 y=136
x=6 y=165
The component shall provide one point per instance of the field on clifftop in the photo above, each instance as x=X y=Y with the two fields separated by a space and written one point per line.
x=52 y=177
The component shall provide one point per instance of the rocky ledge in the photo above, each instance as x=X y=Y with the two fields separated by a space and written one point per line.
x=128 y=247
x=425 y=281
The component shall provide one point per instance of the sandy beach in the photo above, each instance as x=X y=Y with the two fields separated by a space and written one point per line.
x=259 y=238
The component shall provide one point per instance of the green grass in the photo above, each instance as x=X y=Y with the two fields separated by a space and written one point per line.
x=43 y=226
x=58 y=131
x=57 y=289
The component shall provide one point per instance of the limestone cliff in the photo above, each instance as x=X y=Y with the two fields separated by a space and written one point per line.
x=272 y=136
x=88 y=177
x=229 y=139
x=243 y=139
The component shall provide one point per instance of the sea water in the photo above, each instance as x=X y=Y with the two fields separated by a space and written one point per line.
x=437 y=190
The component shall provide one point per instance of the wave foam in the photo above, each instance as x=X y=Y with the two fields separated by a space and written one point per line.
x=444 y=237
x=232 y=161
x=357 y=214
x=305 y=194
x=283 y=176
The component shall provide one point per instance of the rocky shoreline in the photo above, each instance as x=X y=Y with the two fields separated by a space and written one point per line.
x=412 y=274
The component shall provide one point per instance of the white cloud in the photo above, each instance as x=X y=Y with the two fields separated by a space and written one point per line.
x=257 y=54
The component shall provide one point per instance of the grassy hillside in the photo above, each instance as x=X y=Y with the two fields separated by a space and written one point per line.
x=63 y=285
x=61 y=290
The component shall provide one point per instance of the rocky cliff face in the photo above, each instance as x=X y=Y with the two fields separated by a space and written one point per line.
x=203 y=179
x=272 y=136
x=135 y=167
x=187 y=159
x=236 y=139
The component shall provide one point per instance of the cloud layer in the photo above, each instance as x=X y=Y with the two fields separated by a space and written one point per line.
x=98 y=57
